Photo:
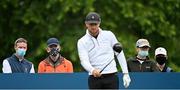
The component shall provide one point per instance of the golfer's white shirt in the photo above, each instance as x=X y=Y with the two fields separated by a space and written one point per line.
x=97 y=53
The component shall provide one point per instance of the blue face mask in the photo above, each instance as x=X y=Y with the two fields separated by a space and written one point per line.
x=143 y=53
x=21 y=52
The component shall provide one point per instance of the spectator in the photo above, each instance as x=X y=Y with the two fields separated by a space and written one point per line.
x=161 y=58
x=54 y=63
x=141 y=62
x=17 y=63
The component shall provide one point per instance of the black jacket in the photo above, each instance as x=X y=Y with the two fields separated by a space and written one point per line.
x=147 y=66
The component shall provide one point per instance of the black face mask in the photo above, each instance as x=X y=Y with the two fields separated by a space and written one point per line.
x=54 y=52
x=161 y=60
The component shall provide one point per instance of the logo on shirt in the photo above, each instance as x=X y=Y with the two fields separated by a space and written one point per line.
x=148 y=67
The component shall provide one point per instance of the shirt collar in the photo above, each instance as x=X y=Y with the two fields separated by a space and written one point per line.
x=14 y=56
x=87 y=32
x=50 y=62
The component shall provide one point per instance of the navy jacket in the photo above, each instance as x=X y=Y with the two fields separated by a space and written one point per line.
x=17 y=66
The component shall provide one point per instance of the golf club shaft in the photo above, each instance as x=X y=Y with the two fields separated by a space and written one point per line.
x=108 y=63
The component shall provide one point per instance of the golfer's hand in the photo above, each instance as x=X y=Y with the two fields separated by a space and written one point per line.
x=126 y=80
x=96 y=73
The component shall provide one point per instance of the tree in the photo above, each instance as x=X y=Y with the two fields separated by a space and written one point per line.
x=38 y=20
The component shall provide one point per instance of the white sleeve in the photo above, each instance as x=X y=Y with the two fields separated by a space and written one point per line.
x=6 y=67
x=122 y=61
x=121 y=57
x=32 y=69
x=83 y=55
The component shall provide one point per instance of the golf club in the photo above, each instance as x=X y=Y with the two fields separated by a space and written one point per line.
x=117 y=48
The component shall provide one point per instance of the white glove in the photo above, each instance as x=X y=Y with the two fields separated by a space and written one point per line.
x=126 y=80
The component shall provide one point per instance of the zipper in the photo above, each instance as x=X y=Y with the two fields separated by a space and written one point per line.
x=54 y=68
x=140 y=67
x=97 y=42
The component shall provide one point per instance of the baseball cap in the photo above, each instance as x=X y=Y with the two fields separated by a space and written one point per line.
x=93 y=17
x=52 y=41
x=142 y=43
x=160 y=50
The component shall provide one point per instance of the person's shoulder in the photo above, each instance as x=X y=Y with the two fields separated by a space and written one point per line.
x=43 y=61
x=169 y=69
x=107 y=31
x=131 y=59
x=67 y=61
x=83 y=40
x=9 y=58
x=27 y=61
x=151 y=61
x=84 y=37
x=6 y=60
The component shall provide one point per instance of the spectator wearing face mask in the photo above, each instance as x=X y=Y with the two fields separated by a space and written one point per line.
x=54 y=63
x=17 y=63
x=161 y=59
x=141 y=62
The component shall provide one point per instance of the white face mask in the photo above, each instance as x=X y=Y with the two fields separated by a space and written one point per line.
x=143 y=53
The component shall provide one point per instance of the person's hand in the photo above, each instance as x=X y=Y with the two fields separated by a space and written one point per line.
x=96 y=73
x=126 y=80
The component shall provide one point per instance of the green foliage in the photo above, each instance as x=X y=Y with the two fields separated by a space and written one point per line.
x=38 y=20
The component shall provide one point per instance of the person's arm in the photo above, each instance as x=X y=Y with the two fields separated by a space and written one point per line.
x=120 y=56
x=128 y=65
x=70 y=67
x=122 y=61
x=32 y=69
x=83 y=55
x=41 y=67
x=6 y=67
x=154 y=67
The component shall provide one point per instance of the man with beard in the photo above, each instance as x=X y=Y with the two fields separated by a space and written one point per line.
x=54 y=63
x=96 y=54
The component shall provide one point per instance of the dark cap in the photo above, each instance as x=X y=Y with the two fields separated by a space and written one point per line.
x=52 y=41
x=93 y=17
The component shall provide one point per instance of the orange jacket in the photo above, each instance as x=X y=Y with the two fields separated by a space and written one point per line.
x=61 y=66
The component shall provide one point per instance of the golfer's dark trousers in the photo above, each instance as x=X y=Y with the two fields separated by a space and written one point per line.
x=106 y=81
